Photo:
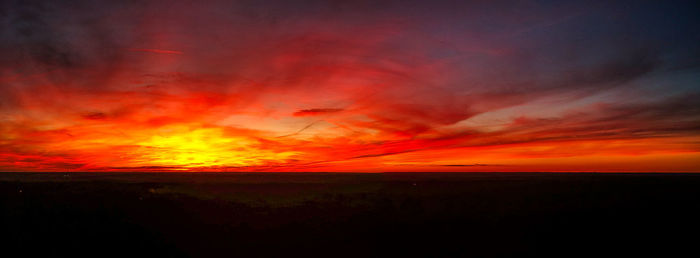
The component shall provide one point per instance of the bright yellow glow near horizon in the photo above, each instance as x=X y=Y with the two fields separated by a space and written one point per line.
x=205 y=147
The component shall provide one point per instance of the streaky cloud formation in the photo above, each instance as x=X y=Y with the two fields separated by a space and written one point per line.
x=350 y=86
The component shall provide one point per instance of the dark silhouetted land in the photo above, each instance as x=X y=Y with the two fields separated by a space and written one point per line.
x=342 y=215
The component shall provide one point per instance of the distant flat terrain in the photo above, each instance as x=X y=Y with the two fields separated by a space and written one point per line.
x=347 y=214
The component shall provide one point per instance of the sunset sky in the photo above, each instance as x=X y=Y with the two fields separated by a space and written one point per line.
x=350 y=86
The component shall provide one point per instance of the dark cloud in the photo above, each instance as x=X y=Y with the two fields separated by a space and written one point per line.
x=381 y=154
x=95 y=116
x=32 y=28
x=317 y=111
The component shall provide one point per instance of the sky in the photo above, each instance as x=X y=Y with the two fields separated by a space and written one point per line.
x=350 y=86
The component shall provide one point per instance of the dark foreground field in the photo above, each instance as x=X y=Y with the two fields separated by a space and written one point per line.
x=340 y=215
